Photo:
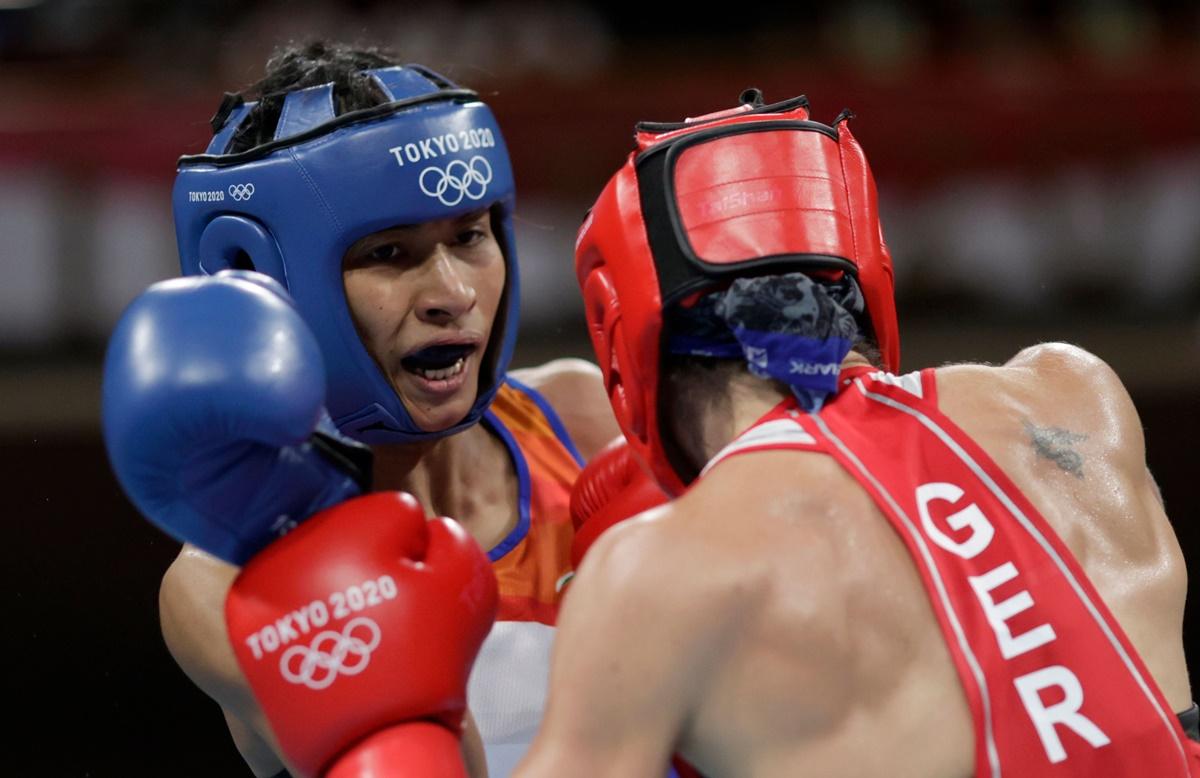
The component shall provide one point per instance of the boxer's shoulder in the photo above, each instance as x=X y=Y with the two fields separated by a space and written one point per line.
x=574 y=388
x=653 y=558
x=1053 y=383
x=561 y=379
x=1044 y=367
x=624 y=684
x=748 y=509
x=1062 y=363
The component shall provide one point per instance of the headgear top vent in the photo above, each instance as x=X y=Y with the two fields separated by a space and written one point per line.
x=752 y=191
x=294 y=205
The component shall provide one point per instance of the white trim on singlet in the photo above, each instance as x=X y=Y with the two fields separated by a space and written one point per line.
x=909 y=382
x=939 y=585
x=1029 y=527
x=773 y=433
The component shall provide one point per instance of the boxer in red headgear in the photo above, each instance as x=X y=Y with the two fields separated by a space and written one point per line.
x=953 y=572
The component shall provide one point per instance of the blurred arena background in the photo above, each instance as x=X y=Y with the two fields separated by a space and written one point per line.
x=1039 y=170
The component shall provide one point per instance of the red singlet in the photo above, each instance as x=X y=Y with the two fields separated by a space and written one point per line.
x=1055 y=686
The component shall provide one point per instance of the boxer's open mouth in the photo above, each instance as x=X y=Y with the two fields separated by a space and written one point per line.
x=438 y=363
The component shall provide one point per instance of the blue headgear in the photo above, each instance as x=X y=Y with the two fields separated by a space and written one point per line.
x=294 y=206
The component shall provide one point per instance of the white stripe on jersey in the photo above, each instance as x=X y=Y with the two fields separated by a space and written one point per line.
x=909 y=382
x=779 y=431
x=986 y=480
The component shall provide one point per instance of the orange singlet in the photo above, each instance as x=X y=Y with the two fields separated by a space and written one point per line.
x=507 y=691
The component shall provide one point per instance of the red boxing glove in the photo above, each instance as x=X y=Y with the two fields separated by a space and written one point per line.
x=357 y=631
x=611 y=488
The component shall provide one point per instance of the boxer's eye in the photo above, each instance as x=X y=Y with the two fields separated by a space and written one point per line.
x=470 y=237
x=474 y=228
x=384 y=253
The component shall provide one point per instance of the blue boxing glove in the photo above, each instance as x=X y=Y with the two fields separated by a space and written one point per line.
x=213 y=397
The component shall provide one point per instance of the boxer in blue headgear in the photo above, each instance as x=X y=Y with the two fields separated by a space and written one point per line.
x=380 y=198
x=294 y=205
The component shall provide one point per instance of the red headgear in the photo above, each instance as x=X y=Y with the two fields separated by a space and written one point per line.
x=755 y=190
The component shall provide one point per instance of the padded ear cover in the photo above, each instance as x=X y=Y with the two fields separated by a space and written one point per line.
x=608 y=337
x=872 y=257
x=623 y=305
x=227 y=237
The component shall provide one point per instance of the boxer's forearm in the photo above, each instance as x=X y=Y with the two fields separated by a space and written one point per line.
x=257 y=752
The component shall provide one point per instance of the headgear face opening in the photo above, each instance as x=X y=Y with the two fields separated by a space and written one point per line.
x=293 y=206
x=752 y=191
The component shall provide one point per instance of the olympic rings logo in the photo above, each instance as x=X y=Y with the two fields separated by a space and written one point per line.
x=241 y=191
x=459 y=179
x=317 y=665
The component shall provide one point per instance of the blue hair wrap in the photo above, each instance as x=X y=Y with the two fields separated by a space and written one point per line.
x=789 y=328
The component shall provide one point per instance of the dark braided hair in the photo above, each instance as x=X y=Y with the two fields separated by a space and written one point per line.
x=310 y=64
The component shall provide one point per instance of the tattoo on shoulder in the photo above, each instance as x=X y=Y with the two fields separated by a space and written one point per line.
x=1057 y=445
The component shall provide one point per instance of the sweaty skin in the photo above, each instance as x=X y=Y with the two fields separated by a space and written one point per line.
x=439 y=282
x=808 y=646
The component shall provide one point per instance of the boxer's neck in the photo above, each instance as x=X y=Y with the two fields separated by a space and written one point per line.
x=745 y=400
x=468 y=476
